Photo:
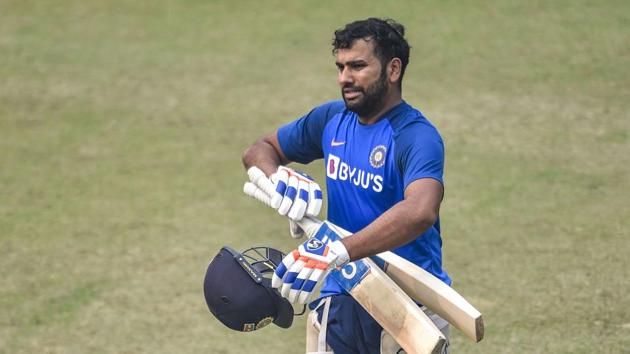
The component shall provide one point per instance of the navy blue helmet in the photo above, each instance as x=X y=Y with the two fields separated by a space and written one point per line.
x=238 y=291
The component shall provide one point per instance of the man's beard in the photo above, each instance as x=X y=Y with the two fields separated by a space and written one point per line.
x=372 y=98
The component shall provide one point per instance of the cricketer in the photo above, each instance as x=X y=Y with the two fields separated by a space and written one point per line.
x=384 y=164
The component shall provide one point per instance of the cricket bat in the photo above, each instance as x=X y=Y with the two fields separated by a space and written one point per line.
x=416 y=282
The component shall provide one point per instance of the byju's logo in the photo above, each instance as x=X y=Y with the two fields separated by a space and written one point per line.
x=341 y=171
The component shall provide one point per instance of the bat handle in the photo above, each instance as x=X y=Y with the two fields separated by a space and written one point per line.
x=253 y=191
x=310 y=225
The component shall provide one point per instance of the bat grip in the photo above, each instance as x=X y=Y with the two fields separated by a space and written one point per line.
x=253 y=191
x=310 y=225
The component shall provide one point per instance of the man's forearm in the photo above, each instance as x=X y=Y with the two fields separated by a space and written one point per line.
x=399 y=225
x=264 y=154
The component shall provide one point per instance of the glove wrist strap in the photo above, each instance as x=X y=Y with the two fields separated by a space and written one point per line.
x=342 y=253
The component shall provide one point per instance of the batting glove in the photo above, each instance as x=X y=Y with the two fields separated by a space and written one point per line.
x=303 y=270
x=296 y=194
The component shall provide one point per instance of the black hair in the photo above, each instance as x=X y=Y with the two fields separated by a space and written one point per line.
x=388 y=37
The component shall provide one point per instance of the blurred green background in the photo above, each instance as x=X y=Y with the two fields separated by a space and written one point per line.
x=122 y=124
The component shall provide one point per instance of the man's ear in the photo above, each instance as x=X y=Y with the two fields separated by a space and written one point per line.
x=394 y=68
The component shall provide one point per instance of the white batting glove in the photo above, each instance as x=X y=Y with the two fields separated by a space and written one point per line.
x=296 y=194
x=303 y=270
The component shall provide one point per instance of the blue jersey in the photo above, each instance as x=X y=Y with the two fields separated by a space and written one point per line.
x=368 y=168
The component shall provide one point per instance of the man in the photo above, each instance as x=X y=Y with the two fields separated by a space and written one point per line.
x=384 y=173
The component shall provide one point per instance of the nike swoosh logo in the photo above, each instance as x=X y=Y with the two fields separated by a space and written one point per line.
x=336 y=143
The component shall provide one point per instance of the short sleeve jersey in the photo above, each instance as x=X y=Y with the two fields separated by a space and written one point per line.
x=368 y=168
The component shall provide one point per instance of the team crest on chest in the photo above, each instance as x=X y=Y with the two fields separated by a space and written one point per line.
x=377 y=156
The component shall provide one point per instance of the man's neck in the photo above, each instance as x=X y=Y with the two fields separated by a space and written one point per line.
x=391 y=102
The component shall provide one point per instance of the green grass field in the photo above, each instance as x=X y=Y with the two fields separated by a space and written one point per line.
x=122 y=124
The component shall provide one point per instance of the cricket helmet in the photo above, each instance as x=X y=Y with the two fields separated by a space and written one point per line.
x=238 y=291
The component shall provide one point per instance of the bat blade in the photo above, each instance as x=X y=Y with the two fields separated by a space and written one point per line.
x=436 y=295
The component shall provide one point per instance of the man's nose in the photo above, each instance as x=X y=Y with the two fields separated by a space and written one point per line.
x=345 y=77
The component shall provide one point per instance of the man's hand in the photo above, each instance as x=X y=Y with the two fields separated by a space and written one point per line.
x=296 y=194
x=302 y=270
